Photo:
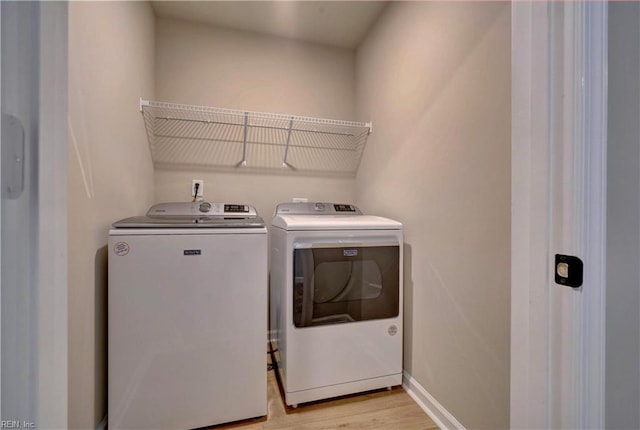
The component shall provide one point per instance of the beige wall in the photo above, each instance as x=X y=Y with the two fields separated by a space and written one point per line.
x=111 y=52
x=210 y=66
x=435 y=80
x=205 y=65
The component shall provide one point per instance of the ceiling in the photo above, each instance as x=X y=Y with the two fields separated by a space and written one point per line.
x=337 y=23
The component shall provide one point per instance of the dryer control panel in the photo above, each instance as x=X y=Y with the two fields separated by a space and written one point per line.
x=316 y=208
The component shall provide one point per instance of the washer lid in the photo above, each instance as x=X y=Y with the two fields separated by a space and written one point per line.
x=195 y=215
x=188 y=222
x=334 y=222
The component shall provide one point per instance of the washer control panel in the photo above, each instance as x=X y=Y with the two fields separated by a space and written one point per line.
x=235 y=209
x=184 y=209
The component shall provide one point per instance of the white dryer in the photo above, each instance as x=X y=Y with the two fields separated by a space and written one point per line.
x=336 y=300
x=187 y=317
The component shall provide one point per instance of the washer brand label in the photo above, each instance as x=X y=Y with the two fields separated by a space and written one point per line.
x=121 y=249
x=192 y=252
x=350 y=252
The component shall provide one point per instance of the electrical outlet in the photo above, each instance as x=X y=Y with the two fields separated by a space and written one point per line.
x=197 y=188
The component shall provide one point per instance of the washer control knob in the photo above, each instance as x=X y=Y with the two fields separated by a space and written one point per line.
x=205 y=207
x=320 y=206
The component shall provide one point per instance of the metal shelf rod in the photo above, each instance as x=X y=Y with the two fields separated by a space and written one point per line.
x=257 y=115
x=256 y=142
x=268 y=127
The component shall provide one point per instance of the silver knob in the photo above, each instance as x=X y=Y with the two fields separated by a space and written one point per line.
x=205 y=207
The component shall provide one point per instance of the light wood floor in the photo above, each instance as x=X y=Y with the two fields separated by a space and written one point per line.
x=379 y=410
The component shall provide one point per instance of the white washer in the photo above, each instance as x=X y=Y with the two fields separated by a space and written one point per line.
x=187 y=317
x=336 y=300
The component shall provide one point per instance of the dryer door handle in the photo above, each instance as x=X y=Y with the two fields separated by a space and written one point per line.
x=303 y=289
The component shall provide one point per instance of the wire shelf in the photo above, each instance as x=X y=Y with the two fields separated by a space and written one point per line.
x=187 y=136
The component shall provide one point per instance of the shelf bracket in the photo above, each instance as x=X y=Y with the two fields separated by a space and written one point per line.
x=143 y=103
x=245 y=133
x=286 y=148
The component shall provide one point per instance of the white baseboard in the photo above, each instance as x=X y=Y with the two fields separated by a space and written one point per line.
x=429 y=404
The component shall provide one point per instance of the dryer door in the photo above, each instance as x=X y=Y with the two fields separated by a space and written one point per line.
x=342 y=283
